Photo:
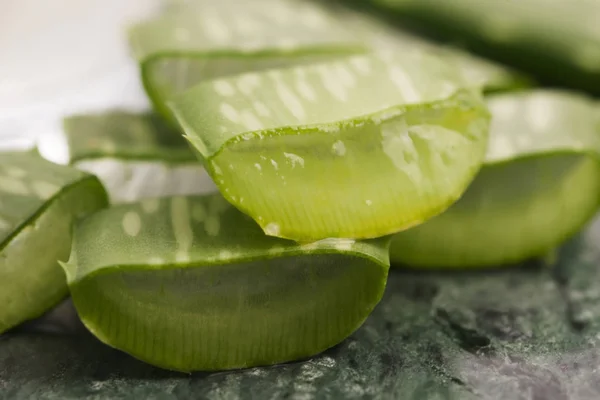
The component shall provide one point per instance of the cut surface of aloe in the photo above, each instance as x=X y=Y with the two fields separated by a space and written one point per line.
x=559 y=41
x=191 y=283
x=135 y=155
x=209 y=39
x=540 y=184
x=361 y=147
x=38 y=203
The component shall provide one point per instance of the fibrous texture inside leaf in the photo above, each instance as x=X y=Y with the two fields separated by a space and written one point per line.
x=539 y=185
x=399 y=140
x=38 y=203
x=206 y=40
x=191 y=283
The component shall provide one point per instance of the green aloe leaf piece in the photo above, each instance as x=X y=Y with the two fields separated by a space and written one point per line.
x=559 y=41
x=540 y=184
x=476 y=71
x=38 y=203
x=135 y=155
x=207 y=39
x=190 y=283
x=360 y=147
x=124 y=135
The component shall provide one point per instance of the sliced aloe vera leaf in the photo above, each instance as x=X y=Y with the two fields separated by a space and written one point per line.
x=135 y=155
x=191 y=283
x=360 y=147
x=124 y=135
x=476 y=71
x=558 y=41
x=207 y=39
x=38 y=203
x=540 y=184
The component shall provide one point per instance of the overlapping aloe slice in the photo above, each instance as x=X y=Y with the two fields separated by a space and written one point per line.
x=361 y=147
x=539 y=185
x=476 y=71
x=38 y=203
x=190 y=283
x=554 y=39
x=210 y=39
x=134 y=155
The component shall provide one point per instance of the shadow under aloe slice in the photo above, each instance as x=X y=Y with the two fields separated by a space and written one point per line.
x=206 y=39
x=540 y=184
x=39 y=201
x=359 y=148
x=191 y=283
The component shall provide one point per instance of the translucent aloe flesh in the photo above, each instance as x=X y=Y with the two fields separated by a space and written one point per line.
x=190 y=283
x=361 y=147
x=557 y=40
x=135 y=155
x=540 y=184
x=38 y=203
x=208 y=39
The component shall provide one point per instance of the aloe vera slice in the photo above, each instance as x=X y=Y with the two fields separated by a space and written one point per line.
x=360 y=147
x=540 y=184
x=135 y=155
x=38 y=203
x=559 y=41
x=476 y=71
x=209 y=39
x=190 y=283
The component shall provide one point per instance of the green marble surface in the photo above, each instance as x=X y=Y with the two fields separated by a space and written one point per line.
x=530 y=332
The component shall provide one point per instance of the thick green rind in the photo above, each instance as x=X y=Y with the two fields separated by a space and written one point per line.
x=194 y=37
x=233 y=298
x=381 y=35
x=557 y=41
x=540 y=184
x=32 y=281
x=124 y=135
x=423 y=133
x=135 y=155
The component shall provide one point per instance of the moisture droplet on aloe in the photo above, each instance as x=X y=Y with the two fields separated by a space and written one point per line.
x=38 y=203
x=209 y=39
x=191 y=283
x=134 y=155
x=360 y=147
x=540 y=184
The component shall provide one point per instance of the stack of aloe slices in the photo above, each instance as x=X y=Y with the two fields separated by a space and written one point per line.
x=326 y=132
